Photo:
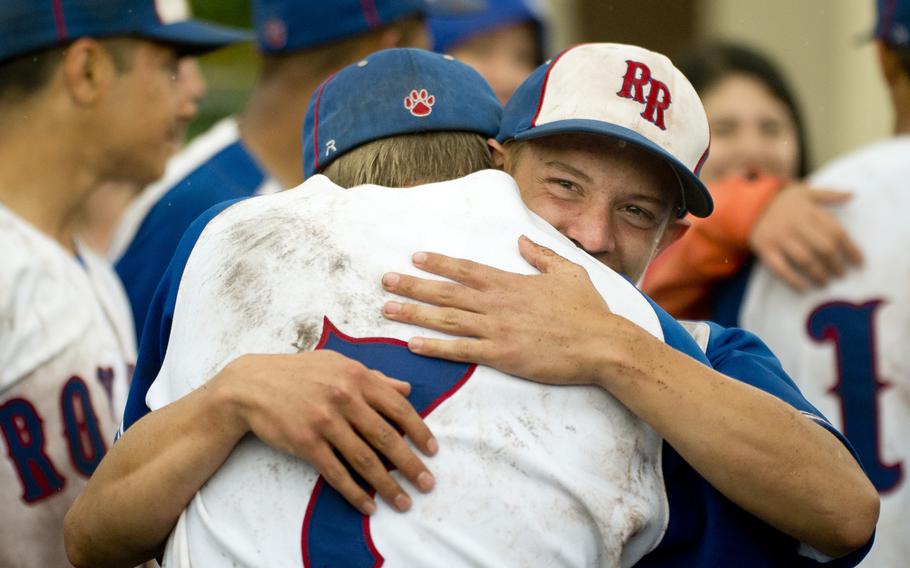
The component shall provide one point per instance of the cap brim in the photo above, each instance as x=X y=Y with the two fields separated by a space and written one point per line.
x=698 y=200
x=194 y=37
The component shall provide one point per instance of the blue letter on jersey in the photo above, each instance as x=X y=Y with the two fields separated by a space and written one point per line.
x=83 y=435
x=851 y=328
x=24 y=435
x=334 y=532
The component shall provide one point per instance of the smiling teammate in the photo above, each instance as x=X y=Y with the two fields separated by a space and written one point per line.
x=87 y=95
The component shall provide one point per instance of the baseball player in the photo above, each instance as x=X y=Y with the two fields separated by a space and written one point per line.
x=504 y=439
x=525 y=327
x=706 y=527
x=845 y=344
x=87 y=96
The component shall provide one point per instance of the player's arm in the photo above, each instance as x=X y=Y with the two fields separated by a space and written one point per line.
x=763 y=454
x=306 y=405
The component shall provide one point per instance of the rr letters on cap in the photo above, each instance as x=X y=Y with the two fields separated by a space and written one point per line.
x=638 y=85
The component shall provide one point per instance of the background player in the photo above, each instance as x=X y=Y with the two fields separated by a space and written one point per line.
x=86 y=96
x=846 y=344
x=106 y=205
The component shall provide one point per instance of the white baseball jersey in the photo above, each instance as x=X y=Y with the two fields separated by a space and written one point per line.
x=65 y=357
x=848 y=345
x=527 y=475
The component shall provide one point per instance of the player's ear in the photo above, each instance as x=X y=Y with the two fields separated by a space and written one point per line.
x=675 y=230
x=497 y=153
x=87 y=68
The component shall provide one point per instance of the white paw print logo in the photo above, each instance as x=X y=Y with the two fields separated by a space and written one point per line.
x=420 y=103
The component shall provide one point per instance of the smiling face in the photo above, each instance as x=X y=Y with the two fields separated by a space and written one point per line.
x=611 y=199
x=147 y=109
x=751 y=131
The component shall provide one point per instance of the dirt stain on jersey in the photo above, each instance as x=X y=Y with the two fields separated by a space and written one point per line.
x=308 y=334
x=339 y=263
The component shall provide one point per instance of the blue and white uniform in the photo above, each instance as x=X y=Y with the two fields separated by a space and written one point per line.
x=846 y=344
x=66 y=354
x=215 y=167
x=290 y=272
x=264 y=275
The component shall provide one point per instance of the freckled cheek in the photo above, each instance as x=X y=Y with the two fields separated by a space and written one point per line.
x=634 y=251
x=566 y=217
x=538 y=202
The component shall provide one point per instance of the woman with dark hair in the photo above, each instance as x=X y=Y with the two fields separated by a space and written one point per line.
x=758 y=155
x=718 y=67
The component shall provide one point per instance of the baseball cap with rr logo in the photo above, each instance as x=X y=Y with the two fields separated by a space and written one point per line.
x=619 y=91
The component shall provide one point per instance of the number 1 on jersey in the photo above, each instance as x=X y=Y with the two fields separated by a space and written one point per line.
x=851 y=328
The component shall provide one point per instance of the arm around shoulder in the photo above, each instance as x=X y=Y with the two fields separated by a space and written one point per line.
x=305 y=405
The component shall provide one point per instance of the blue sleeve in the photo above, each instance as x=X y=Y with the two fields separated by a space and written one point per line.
x=157 y=330
x=742 y=355
x=229 y=174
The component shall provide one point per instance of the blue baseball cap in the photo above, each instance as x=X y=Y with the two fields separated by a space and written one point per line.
x=392 y=92
x=449 y=30
x=291 y=25
x=892 y=24
x=30 y=25
x=623 y=92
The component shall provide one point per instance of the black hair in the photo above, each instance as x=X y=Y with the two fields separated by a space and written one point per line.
x=24 y=75
x=708 y=64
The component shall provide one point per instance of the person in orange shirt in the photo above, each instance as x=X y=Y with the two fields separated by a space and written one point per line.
x=758 y=155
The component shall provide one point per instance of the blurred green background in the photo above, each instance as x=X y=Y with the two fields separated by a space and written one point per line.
x=230 y=72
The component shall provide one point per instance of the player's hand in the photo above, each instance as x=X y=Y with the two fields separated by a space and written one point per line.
x=530 y=326
x=310 y=404
x=800 y=241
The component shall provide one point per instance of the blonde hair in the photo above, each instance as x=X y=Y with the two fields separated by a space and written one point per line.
x=411 y=159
